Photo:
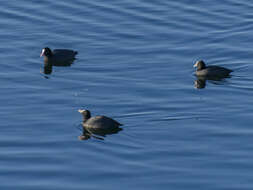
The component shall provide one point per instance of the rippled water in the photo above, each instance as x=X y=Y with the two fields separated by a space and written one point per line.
x=135 y=64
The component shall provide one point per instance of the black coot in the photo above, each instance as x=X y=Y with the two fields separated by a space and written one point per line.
x=211 y=71
x=98 y=125
x=58 y=57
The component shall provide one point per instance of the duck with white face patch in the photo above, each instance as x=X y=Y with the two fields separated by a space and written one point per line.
x=98 y=125
x=57 y=57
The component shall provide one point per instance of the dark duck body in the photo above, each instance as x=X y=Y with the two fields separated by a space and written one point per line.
x=98 y=125
x=58 y=57
x=211 y=71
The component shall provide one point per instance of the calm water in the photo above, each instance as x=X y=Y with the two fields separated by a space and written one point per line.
x=135 y=64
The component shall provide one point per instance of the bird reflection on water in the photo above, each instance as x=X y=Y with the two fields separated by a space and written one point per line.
x=200 y=82
x=97 y=134
x=48 y=67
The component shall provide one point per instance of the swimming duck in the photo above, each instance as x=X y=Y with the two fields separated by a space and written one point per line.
x=58 y=57
x=211 y=71
x=99 y=125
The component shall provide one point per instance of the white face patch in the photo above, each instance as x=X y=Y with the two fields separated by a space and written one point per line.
x=42 y=52
x=81 y=111
x=196 y=64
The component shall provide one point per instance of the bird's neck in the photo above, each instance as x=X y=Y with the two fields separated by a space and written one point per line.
x=85 y=118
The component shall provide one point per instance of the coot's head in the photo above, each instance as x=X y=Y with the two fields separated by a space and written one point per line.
x=200 y=65
x=46 y=52
x=86 y=114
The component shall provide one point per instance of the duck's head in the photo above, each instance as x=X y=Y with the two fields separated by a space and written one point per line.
x=200 y=65
x=86 y=114
x=46 y=52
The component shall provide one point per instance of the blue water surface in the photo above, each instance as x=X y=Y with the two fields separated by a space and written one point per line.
x=135 y=64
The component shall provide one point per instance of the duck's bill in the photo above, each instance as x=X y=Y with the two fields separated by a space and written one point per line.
x=195 y=65
x=81 y=111
x=42 y=53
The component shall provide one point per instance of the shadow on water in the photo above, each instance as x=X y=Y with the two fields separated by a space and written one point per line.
x=97 y=133
x=200 y=82
x=48 y=66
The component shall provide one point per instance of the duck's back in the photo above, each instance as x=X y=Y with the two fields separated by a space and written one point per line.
x=64 y=54
x=101 y=122
x=214 y=71
x=61 y=57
